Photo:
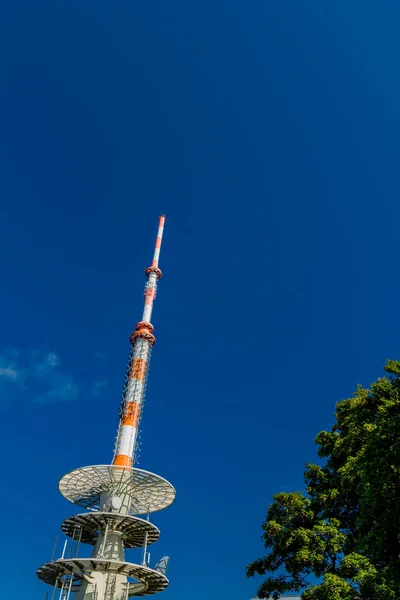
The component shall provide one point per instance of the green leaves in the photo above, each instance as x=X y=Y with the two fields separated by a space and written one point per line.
x=345 y=531
x=332 y=588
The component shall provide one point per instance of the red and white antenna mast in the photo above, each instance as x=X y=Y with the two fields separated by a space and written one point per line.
x=115 y=495
x=142 y=341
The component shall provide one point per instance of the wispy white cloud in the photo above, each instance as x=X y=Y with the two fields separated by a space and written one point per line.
x=46 y=363
x=39 y=376
x=63 y=389
x=39 y=373
x=97 y=387
x=9 y=372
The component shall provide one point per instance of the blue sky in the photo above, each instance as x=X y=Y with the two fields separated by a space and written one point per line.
x=268 y=132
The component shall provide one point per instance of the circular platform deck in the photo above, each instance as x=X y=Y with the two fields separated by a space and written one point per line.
x=148 y=492
x=152 y=581
x=86 y=527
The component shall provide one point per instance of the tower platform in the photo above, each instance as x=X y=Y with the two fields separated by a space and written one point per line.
x=148 y=582
x=135 y=532
x=144 y=491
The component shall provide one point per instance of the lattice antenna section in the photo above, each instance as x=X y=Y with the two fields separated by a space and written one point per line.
x=142 y=340
x=134 y=387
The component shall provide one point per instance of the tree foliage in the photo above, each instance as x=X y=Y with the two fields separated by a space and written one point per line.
x=344 y=532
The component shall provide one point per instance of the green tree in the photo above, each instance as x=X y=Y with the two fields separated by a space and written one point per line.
x=344 y=532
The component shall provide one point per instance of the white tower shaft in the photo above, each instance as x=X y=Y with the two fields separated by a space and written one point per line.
x=142 y=341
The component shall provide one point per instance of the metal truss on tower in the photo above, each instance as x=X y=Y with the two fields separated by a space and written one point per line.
x=117 y=496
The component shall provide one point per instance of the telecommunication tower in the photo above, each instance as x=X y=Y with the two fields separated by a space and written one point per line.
x=115 y=495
